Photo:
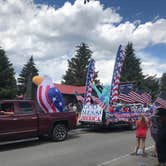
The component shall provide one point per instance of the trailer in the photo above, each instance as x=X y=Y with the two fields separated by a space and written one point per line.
x=113 y=116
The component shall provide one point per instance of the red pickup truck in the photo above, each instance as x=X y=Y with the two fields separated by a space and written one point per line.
x=28 y=121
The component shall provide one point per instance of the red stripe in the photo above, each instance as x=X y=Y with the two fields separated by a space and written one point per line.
x=40 y=98
x=49 y=102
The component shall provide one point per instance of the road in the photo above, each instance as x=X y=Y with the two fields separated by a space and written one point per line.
x=84 y=147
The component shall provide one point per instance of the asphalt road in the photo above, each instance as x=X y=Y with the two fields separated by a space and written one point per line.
x=83 y=147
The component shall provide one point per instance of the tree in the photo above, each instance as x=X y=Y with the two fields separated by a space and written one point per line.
x=163 y=83
x=131 y=70
x=77 y=67
x=7 y=79
x=25 y=85
x=151 y=84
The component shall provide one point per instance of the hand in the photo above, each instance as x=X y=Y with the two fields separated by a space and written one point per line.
x=2 y=112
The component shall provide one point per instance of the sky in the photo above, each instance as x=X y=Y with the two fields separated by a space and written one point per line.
x=50 y=30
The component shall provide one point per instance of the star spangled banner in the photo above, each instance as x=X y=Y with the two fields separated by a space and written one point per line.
x=130 y=96
x=161 y=100
x=116 y=75
x=89 y=81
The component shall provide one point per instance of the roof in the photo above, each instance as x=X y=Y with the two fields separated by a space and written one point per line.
x=70 y=89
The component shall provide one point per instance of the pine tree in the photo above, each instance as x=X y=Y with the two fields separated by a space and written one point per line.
x=131 y=70
x=151 y=84
x=7 y=79
x=25 y=85
x=163 y=83
x=77 y=67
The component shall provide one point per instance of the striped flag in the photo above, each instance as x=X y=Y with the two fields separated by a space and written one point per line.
x=89 y=81
x=146 y=97
x=130 y=96
x=116 y=75
x=136 y=97
x=124 y=95
x=161 y=100
x=99 y=102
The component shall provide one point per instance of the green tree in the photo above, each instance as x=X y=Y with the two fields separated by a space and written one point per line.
x=25 y=85
x=151 y=84
x=77 y=67
x=7 y=79
x=131 y=70
x=163 y=83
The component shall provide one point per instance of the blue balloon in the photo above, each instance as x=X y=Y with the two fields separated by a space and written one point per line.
x=56 y=98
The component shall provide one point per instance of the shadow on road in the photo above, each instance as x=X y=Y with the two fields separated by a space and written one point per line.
x=106 y=129
x=5 y=146
x=8 y=146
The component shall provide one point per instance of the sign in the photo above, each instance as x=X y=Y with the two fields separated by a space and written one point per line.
x=91 y=113
x=128 y=113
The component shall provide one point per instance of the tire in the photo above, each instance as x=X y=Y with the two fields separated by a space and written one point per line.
x=59 y=132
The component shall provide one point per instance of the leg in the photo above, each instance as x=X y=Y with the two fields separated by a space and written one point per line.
x=143 y=145
x=137 y=145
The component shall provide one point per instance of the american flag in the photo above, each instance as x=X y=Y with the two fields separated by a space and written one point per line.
x=116 y=75
x=161 y=101
x=130 y=96
x=79 y=97
x=146 y=97
x=124 y=95
x=99 y=102
x=89 y=80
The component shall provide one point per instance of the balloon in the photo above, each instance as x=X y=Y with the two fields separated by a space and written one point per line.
x=104 y=95
x=48 y=96
x=37 y=80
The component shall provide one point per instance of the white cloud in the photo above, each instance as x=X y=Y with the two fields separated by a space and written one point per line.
x=152 y=65
x=50 y=35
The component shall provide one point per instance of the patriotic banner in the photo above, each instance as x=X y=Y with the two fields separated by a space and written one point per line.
x=91 y=113
x=116 y=75
x=89 y=81
x=128 y=113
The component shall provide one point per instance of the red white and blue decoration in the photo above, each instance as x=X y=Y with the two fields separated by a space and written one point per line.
x=116 y=75
x=89 y=81
x=48 y=96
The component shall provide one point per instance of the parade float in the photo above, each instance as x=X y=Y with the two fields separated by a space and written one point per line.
x=108 y=107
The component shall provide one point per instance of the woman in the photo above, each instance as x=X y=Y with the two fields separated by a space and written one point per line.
x=141 y=130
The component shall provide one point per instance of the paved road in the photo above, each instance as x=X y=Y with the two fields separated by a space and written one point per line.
x=83 y=148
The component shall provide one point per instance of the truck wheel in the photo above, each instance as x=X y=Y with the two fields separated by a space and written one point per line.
x=59 y=132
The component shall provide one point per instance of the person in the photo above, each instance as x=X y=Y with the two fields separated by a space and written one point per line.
x=6 y=112
x=74 y=108
x=141 y=130
x=161 y=136
x=154 y=129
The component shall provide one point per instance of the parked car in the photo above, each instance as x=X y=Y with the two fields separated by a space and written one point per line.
x=28 y=121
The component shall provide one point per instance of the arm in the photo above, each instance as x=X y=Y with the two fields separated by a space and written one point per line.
x=6 y=113
x=96 y=89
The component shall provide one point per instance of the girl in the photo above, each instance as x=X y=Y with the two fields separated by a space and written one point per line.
x=141 y=130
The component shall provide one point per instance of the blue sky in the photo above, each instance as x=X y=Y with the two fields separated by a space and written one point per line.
x=143 y=10
x=50 y=30
x=131 y=10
